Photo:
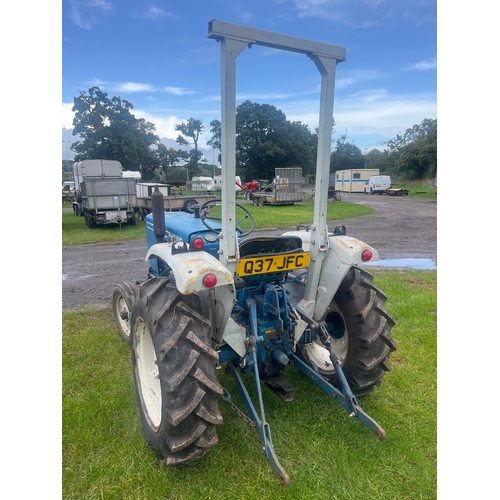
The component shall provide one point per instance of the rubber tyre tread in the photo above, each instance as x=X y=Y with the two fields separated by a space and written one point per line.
x=369 y=328
x=369 y=325
x=127 y=291
x=186 y=363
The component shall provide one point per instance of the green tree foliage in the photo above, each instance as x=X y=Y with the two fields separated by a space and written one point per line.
x=381 y=160
x=167 y=160
x=215 y=141
x=110 y=131
x=415 y=133
x=192 y=129
x=266 y=140
x=346 y=155
x=418 y=159
x=413 y=155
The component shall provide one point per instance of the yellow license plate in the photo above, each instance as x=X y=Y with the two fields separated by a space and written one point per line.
x=269 y=263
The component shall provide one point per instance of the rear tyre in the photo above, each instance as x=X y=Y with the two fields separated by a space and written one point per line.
x=89 y=220
x=132 y=221
x=122 y=299
x=360 y=332
x=261 y=202
x=174 y=373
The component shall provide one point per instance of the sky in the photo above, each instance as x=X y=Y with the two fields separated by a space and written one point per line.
x=156 y=55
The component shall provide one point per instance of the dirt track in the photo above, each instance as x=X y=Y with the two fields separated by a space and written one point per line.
x=400 y=227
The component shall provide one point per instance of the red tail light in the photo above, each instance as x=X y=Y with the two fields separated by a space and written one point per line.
x=366 y=255
x=209 y=280
x=197 y=243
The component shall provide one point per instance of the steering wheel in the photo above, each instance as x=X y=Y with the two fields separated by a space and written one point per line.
x=204 y=216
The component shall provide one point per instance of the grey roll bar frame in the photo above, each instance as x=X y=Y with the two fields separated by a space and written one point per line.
x=233 y=39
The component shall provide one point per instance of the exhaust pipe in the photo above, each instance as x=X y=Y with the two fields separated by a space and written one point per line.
x=158 y=208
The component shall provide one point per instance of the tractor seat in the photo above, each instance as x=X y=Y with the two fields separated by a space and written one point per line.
x=270 y=244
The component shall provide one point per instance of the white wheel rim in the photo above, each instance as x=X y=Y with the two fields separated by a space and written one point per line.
x=147 y=370
x=123 y=315
x=319 y=355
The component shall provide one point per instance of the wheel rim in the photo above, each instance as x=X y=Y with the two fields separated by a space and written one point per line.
x=123 y=314
x=339 y=341
x=147 y=370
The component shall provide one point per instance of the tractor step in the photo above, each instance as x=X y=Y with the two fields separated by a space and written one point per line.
x=280 y=386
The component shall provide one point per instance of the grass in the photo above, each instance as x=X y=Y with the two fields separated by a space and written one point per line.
x=75 y=232
x=326 y=454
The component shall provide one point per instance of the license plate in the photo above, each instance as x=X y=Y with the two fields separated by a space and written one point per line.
x=113 y=215
x=269 y=263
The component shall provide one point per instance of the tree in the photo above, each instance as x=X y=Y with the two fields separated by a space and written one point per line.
x=167 y=159
x=110 y=131
x=346 y=155
x=418 y=160
x=215 y=141
x=266 y=140
x=396 y=144
x=192 y=130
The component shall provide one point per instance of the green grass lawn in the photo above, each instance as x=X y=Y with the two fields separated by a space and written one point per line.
x=75 y=232
x=326 y=454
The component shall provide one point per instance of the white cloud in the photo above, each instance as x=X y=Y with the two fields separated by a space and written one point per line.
x=86 y=14
x=356 y=76
x=165 y=127
x=423 y=65
x=156 y=13
x=67 y=115
x=369 y=113
x=134 y=87
x=178 y=91
x=360 y=13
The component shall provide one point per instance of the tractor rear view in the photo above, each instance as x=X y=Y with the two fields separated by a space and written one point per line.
x=218 y=296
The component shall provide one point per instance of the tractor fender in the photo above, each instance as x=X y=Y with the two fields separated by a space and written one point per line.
x=343 y=253
x=189 y=268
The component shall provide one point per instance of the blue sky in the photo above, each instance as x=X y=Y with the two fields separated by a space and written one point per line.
x=156 y=54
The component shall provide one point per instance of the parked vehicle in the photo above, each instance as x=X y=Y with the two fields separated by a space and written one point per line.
x=218 y=183
x=68 y=186
x=202 y=184
x=377 y=184
x=102 y=195
x=286 y=188
x=215 y=295
x=351 y=180
x=172 y=202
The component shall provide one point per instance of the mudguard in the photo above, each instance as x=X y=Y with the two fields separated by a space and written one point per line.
x=343 y=253
x=189 y=268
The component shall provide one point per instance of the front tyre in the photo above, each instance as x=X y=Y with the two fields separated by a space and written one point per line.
x=174 y=373
x=360 y=334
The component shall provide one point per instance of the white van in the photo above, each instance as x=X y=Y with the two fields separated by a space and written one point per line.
x=377 y=184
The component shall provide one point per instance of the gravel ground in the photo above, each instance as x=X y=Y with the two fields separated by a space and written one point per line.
x=400 y=228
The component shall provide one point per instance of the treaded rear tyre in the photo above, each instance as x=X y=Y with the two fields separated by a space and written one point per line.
x=122 y=299
x=360 y=330
x=174 y=373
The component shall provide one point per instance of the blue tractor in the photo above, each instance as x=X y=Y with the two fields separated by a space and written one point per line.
x=217 y=295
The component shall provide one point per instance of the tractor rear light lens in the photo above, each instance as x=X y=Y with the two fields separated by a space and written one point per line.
x=210 y=280
x=197 y=244
x=366 y=255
